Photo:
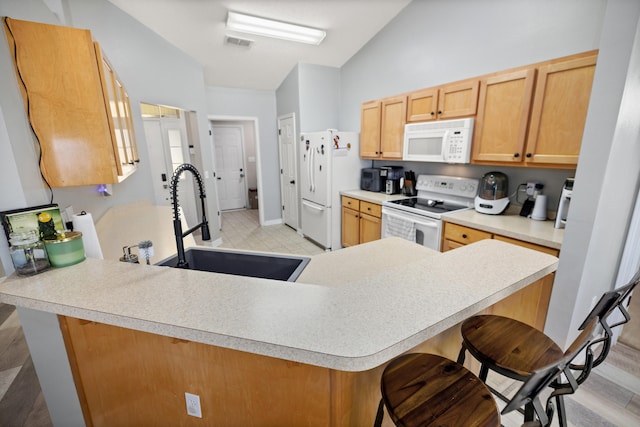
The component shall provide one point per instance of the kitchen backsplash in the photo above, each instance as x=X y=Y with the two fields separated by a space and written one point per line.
x=553 y=179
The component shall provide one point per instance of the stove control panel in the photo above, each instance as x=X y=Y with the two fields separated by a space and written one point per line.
x=448 y=185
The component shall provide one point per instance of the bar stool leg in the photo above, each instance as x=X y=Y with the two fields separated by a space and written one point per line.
x=462 y=355
x=484 y=371
x=379 y=415
x=562 y=414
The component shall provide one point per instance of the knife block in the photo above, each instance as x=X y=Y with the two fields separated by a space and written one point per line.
x=409 y=189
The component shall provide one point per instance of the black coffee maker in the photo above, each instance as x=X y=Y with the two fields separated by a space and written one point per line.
x=392 y=176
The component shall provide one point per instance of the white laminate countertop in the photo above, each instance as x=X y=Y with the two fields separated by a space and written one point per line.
x=508 y=224
x=511 y=225
x=370 y=196
x=372 y=317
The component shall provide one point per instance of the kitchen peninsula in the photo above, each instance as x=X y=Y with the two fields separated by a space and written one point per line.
x=260 y=352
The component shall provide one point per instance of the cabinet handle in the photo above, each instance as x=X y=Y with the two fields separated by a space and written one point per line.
x=528 y=154
x=464 y=236
x=516 y=155
x=433 y=113
x=439 y=112
x=369 y=209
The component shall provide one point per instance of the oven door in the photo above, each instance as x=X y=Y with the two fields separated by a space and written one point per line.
x=420 y=229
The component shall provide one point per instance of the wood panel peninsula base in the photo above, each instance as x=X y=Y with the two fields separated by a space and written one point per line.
x=260 y=352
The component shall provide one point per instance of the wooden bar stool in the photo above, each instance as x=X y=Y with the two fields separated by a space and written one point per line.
x=515 y=349
x=424 y=390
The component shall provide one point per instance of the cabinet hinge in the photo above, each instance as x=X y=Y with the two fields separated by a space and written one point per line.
x=210 y=133
x=279 y=131
x=282 y=207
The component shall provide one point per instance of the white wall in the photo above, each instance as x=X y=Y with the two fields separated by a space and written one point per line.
x=432 y=42
x=420 y=48
x=151 y=69
x=319 y=98
x=288 y=95
x=607 y=178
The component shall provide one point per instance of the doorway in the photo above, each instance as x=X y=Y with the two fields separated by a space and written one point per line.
x=250 y=155
x=167 y=140
x=230 y=167
x=288 y=169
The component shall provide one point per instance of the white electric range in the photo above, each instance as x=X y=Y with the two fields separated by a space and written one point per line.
x=419 y=219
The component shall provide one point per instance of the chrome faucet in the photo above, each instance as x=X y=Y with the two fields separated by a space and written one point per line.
x=177 y=225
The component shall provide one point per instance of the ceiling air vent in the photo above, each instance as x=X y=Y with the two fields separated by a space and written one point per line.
x=237 y=41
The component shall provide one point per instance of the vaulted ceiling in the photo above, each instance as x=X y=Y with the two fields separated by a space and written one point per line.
x=197 y=27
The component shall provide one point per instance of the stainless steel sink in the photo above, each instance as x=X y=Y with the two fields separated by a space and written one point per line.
x=251 y=264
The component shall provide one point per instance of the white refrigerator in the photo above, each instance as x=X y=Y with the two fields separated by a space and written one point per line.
x=329 y=163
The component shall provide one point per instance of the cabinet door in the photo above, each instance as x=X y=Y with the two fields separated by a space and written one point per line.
x=370 y=129
x=535 y=247
x=394 y=117
x=458 y=100
x=422 y=105
x=448 y=245
x=370 y=228
x=350 y=227
x=503 y=116
x=559 y=111
x=120 y=118
x=464 y=235
x=61 y=83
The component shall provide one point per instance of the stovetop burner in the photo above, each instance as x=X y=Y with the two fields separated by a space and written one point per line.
x=428 y=205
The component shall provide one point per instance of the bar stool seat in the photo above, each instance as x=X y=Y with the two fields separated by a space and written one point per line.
x=430 y=390
x=515 y=349
x=526 y=350
x=420 y=389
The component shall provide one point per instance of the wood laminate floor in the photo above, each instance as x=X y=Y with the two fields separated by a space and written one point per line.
x=610 y=397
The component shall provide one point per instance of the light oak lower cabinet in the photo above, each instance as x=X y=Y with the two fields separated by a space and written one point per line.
x=361 y=221
x=531 y=303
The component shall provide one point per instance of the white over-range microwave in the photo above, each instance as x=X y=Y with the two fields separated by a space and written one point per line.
x=443 y=141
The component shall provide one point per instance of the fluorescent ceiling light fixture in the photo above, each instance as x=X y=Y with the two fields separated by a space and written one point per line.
x=276 y=29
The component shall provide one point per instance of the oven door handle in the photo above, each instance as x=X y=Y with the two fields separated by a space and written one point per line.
x=432 y=223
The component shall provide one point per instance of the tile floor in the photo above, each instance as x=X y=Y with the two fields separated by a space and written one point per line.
x=241 y=230
x=610 y=397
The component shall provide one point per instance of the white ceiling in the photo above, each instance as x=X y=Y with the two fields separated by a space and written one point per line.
x=197 y=27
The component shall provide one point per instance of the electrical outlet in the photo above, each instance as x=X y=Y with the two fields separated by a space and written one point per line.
x=193 y=405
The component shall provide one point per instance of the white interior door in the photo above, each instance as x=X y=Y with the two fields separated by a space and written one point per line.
x=230 y=169
x=288 y=169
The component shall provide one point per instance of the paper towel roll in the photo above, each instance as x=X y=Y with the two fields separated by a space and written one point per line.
x=83 y=223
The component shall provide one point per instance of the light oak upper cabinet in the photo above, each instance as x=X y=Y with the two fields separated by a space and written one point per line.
x=61 y=82
x=370 y=129
x=559 y=111
x=523 y=126
x=503 y=116
x=382 y=128
x=445 y=102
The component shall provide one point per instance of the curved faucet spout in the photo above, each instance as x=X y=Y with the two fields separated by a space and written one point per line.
x=177 y=225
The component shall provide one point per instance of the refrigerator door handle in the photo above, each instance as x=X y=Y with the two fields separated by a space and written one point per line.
x=310 y=171
x=312 y=206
